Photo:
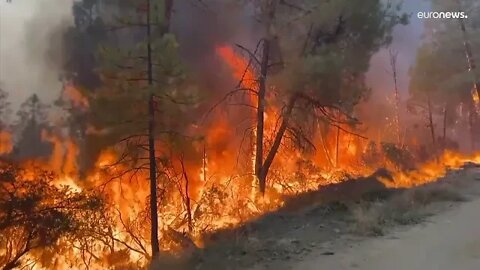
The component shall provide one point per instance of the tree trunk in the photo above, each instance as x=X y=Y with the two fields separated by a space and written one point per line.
x=151 y=145
x=445 y=115
x=471 y=116
x=261 y=114
x=188 y=204
x=325 y=149
x=393 y=63
x=15 y=261
x=276 y=143
x=168 y=16
x=337 y=146
x=268 y=10
x=204 y=162
x=430 y=124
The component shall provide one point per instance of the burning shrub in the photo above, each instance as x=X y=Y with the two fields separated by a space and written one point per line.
x=36 y=214
x=371 y=155
x=400 y=157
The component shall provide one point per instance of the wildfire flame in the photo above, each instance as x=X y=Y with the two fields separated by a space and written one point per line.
x=205 y=194
x=5 y=142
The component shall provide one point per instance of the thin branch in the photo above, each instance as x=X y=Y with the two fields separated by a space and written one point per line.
x=249 y=64
x=229 y=94
x=350 y=132
x=293 y=6
x=252 y=56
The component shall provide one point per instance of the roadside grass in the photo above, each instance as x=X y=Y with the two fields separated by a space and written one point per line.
x=406 y=207
x=370 y=211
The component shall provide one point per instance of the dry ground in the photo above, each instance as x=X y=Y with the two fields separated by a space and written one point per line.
x=448 y=241
x=375 y=228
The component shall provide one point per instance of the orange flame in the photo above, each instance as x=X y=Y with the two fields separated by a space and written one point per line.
x=220 y=194
x=5 y=142
x=76 y=97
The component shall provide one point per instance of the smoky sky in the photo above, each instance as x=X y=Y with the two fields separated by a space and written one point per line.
x=31 y=43
x=30 y=47
x=406 y=40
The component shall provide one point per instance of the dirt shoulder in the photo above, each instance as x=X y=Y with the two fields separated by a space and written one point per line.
x=370 y=227
x=447 y=239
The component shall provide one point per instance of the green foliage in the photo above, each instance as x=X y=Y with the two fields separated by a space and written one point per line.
x=441 y=68
x=126 y=90
x=443 y=83
x=338 y=40
x=326 y=50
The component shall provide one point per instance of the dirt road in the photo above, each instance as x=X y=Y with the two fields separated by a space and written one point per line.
x=448 y=241
x=430 y=227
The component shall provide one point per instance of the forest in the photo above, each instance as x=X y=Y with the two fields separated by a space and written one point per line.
x=180 y=119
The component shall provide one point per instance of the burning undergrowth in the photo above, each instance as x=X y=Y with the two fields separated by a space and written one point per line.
x=204 y=186
x=189 y=214
x=249 y=131
x=317 y=220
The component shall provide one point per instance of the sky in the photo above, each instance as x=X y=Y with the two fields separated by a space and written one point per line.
x=406 y=40
x=26 y=28
x=28 y=49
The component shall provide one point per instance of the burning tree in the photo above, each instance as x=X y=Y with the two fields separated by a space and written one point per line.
x=318 y=80
x=5 y=109
x=5 y=132
x=439 y=88
x=144 y=82
x=393 y=55
x=32 y=122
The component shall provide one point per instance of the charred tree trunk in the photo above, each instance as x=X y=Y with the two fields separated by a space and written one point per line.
x=188 y=204
x=393 y=64
x=445 y=115
x=471 y=126
x=204 y=162
x=168 y=16
x=276 y=143
x=325 y=149
x=261 y=114
x=268 y=11
x=151 y=144
x=14 y=263
x=168 y=8
x=430 y=123
x=337 y=146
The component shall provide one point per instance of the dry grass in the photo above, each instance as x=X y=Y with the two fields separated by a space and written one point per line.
x=406 y=207
x=378 y=211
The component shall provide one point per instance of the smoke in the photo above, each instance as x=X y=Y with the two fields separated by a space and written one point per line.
x=32 y=53
x=202 y=27
x=406 y=41
x=31 y=47
x=379 y=110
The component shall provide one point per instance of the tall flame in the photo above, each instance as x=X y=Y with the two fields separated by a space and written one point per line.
x=206 y=192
